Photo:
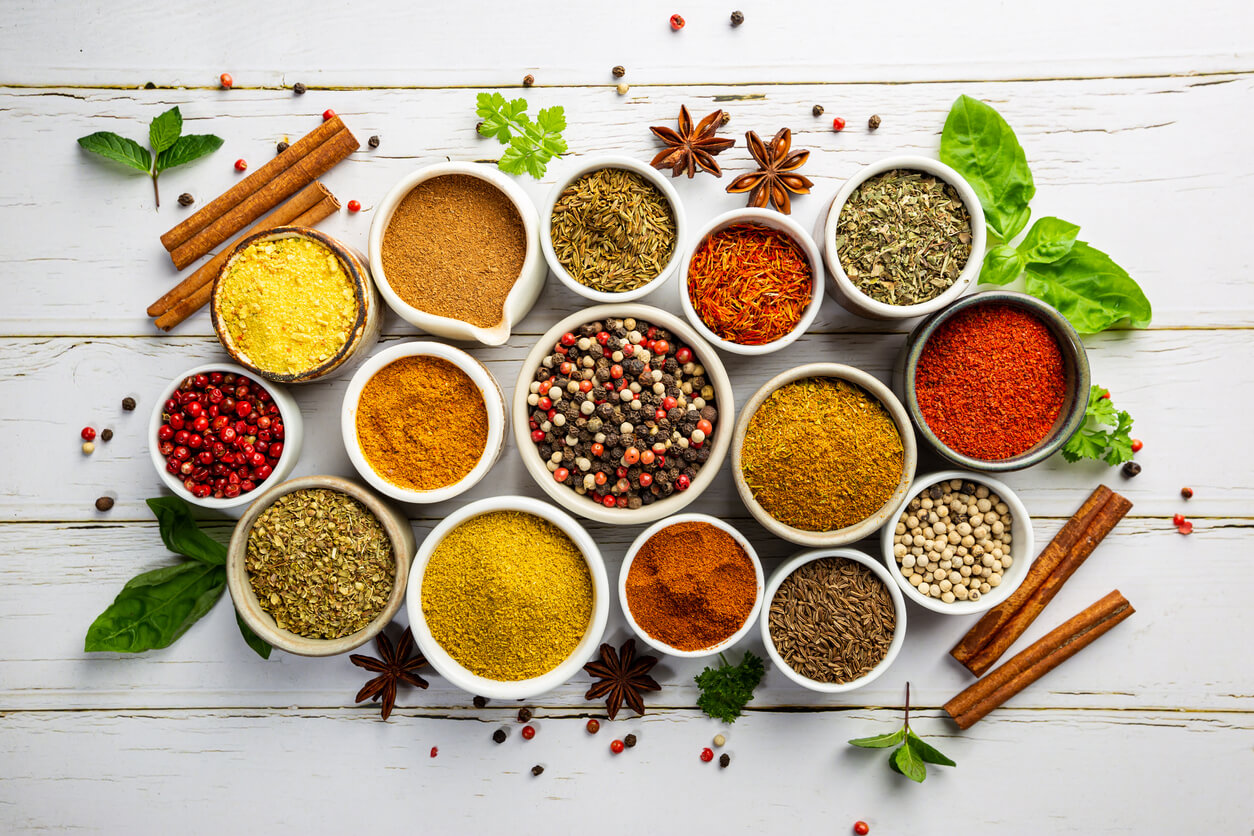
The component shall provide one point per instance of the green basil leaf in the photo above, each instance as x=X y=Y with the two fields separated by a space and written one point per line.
x=118 y=148
x=157 y=607
x=1048 y=240
x=879 y=741
x=182 y=535
x=908 y=763
x=165 y=129
x=1002 y=265
x=979 y=145
x=256 y=642
x=926 y=752
x=186 y=149
x=1088 y=288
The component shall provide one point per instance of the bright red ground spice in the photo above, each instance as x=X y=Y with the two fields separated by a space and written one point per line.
x=991 y=382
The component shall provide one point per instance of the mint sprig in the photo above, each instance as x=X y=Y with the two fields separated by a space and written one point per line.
x=531 y=144
x=912 y=754
x=1105 y=435
x=169 y=148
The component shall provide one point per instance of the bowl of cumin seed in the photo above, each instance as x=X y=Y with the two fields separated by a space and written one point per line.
x=834 y=620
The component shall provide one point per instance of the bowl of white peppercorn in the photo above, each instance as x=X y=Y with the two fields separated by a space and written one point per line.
x=961 y=543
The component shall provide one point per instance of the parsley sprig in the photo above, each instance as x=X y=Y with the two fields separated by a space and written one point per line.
x=726 y=690
x=912 y=756
x=1105 y=434
x=531 y=144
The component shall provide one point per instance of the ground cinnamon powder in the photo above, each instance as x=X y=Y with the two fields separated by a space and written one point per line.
x=421 y=423
x=454 y=247
x=691 y=586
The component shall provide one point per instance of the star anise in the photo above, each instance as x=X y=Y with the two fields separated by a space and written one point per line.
x=394 y=666
x=624 y=678
x=688 y=148
x=775 y=177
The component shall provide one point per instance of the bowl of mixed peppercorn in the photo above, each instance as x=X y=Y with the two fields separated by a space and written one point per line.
x=618 y=413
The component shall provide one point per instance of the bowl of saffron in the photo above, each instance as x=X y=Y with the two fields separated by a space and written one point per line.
x=998 y=381
x=753 y=282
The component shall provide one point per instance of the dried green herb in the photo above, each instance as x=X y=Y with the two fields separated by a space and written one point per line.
x=903 y=237
x=320 y=563
x=613 y=230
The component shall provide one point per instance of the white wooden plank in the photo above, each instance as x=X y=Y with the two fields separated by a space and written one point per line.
x=58 y=577
x=567 y=42
x=322 y=772
x=1134 y=161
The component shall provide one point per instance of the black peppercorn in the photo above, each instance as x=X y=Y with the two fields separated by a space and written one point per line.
x=498 y=736
x=737 y=18
x=373 y=142
x=935 y=492
x=150 y=86
x=873 y=122
x=479 y=128
x=724 y=760
x=524 y=714
x=629 y=741
x=186 y=199
x=537 y=769
x=1131 y=469
x=528 y=80
x=280 y=148
x=106 y=434
x=298 y=88
x=104 y=503
x=128 y=404
x=480 y=702
x=817 y=110
x=619 y=71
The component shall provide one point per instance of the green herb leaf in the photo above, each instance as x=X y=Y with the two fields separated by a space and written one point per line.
x=980 y=146
x=926 y=752
x=1002 y=265
x=165 y=129
x=157 y=607
x=1105 y=435
x=1120 y=440
x=256 y=642
x=1048 y=240
x=186 y=149
x=726 y=690
x=118 y=148
x=501 y=119
x=1088 y=288
x=531 y=144
x=907 y=762
x=880 y=741
x=182 y=535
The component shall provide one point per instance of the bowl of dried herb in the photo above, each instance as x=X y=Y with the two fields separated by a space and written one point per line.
x=611 y=229
x=902 y=238
x=318 y=565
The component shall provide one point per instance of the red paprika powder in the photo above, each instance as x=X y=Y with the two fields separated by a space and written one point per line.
x=991 y=381
x=691 y=585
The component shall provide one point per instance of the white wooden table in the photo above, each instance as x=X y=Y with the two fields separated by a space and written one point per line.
x=1136 y=119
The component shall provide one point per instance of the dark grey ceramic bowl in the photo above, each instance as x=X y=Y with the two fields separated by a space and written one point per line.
x=1076 y=369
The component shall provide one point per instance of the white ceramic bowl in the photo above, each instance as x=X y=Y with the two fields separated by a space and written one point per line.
x=521 y=296
x=587 y=166
x=843 y=290
x=470 y=682
x=293 y=437
x=493 y=401
x=849 y=534
x=1022 y=546
x=899 y=632
x=774 y=220
x=724 y=402
x=658 y=644
x=263 y=624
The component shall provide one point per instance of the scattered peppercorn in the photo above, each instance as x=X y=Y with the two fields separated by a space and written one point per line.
x=524 y=714
x=737 y=18
x=1187 y=493
x=707 y=755
x=498 y=736
x=354 y=206
x=328 y=114
x=88 y=448
x=623 y=88
x=1137 y=444
x=593 y=726
x=1185 y=528
x=537 y=769
x=719 y=740
x=528 y=732
x=677 y=22
x=104 y=503
x=619 y=71
x=435 y=750
x=106 y=434
x=88 y=433
x=817 y=110
x=298 y=88
x=528 y=80
x=861 y=828
x=241 y=164
x=373 y=142
x=629 y=741
x=128 y=404
x=616 y=747
x=281 y=147
x=725 y=118
x=186 y=199
x=1104 y=396
x=873 y=122
x=1131 y=469
x=1178 y=519
x=724 y=760
x=226 y=81
x=480 y=702
x=838 y=124
x=150 y=86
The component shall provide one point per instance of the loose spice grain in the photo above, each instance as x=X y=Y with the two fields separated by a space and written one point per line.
x=821 y=454
x=454 y=247
x=422 y=423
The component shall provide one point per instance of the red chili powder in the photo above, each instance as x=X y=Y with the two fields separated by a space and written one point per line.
x=990 y=381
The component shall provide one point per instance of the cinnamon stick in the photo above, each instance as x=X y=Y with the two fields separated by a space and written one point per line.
x=188 y=305
x=235 y=195
x=299 y=174
x=1027 y=667
x=1001 y=626
x=294 y=207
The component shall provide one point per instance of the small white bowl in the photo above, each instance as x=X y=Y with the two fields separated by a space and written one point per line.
x=521 y=296
x=1022 y=545
x=293 y=437
x=899 y=630
x=495 y=689
x=658 y=644
x=852 y=533
x=587 y=166
x=843 y=290
x=724 y=402
x=774 y=220
x=493 y=401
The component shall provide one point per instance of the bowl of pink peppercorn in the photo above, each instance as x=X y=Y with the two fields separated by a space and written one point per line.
x=217 y=435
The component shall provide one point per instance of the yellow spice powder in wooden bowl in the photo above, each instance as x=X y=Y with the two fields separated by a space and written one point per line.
x=508 y=595
x=422 y=423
